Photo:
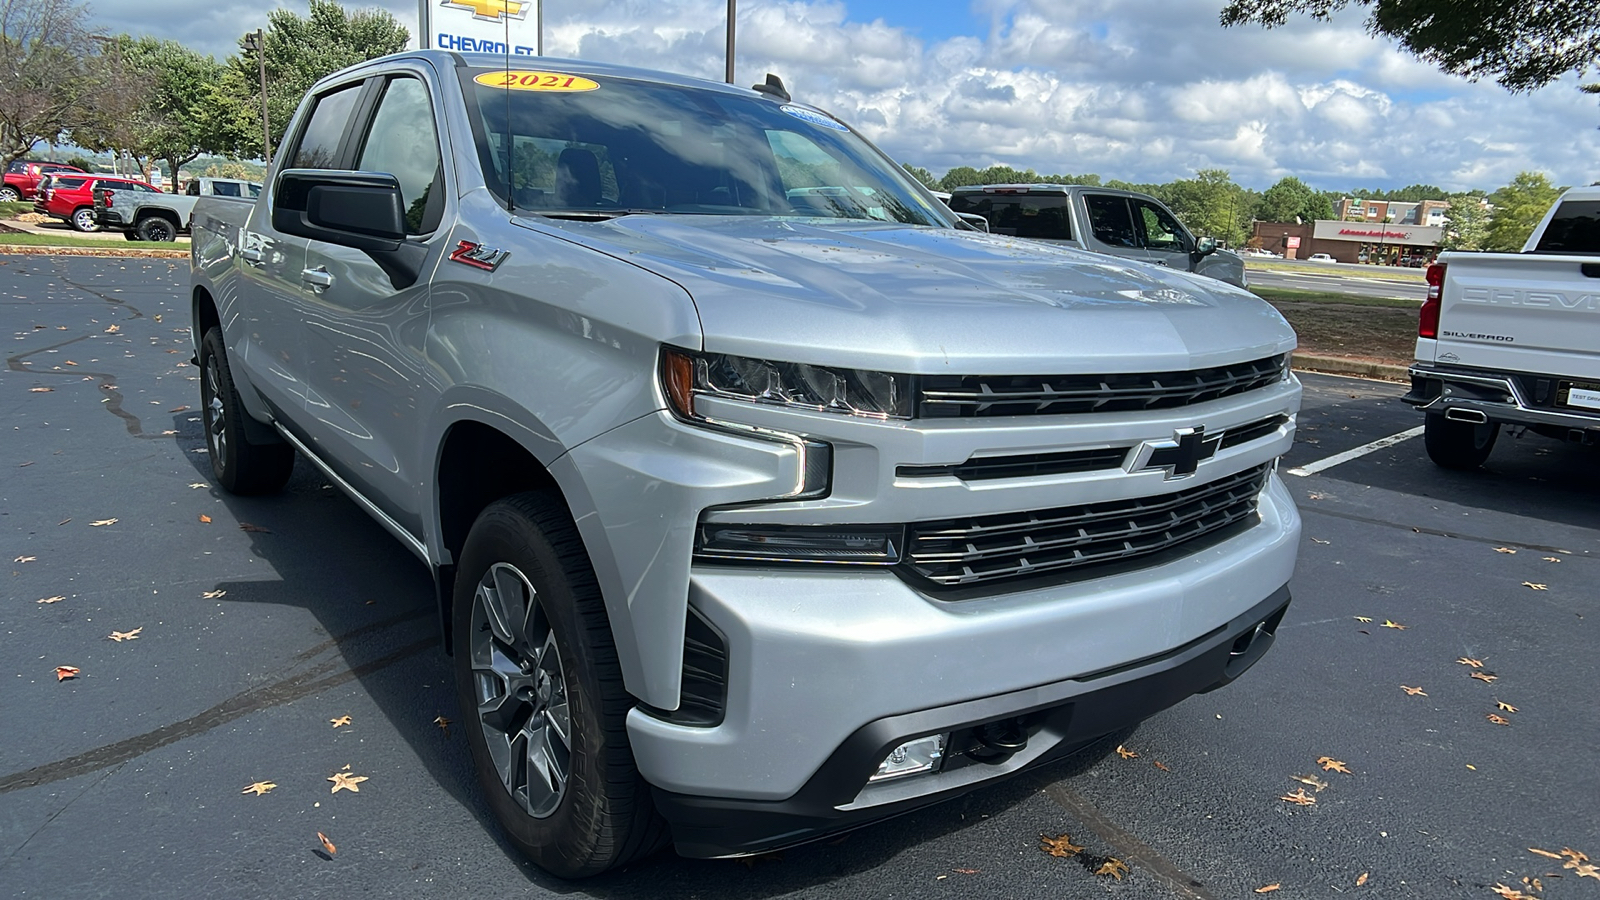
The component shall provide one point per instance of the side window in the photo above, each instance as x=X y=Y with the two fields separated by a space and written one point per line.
x=193 y=189
x=1109 y=219
x=1159 y=229
x=404 y=143
x=1575 y=228
x=225 y=189
x=319 y=142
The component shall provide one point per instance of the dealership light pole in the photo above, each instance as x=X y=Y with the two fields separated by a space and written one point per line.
x=733 y=12
x=257 y=41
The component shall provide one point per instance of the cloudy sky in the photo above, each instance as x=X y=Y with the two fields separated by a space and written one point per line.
x=1143 y=90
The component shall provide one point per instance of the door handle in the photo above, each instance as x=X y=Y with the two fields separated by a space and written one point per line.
x=251 y=256
x=319 y=278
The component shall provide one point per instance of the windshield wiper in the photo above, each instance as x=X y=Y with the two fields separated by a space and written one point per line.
x=592 y=215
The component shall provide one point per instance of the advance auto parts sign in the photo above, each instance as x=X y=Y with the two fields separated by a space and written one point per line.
x=479 y=26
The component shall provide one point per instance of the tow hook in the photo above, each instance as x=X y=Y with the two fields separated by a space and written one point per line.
x=999 y=740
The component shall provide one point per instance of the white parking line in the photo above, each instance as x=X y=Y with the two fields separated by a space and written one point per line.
x=1339 y=458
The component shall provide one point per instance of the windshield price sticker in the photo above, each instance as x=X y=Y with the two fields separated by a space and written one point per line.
x=522 y=80
x=815 y=118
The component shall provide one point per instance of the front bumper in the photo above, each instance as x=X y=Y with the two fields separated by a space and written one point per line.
x=1518 y=398
x=1058 y=718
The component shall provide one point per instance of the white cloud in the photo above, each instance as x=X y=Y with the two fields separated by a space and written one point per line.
x=1142 y=90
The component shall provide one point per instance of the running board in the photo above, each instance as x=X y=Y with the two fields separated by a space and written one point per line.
x=389 y=524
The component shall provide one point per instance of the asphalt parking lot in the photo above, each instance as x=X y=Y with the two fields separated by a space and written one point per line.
x=261 y=622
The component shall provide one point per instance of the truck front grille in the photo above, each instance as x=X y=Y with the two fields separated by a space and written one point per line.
x=983 y=550
x=949 y=396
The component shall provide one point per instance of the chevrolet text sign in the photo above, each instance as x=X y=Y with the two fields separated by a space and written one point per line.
x=480 y=26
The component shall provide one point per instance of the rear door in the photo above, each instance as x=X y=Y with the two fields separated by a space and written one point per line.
x=364 y=336
x=1112 y=227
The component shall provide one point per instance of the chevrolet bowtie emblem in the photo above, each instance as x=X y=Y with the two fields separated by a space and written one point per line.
x=1181 y=456
x=491 y=10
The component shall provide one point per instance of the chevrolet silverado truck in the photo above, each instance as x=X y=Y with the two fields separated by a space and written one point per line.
x=1104 y=220
x=1513 y=339
x=763 y=497
x=161 y=216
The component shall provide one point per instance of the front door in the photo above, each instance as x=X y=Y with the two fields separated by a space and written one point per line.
x=1111 y=227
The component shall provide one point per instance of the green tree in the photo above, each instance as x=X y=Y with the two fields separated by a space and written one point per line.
x=1518 y=207
x=49 y=67
x=1466 y=222
x=158 y=103
x=960 y=176
x=1523 y=45
x=1285 y=200
x=1210 y=204
x=299 y=51
x=922 y=175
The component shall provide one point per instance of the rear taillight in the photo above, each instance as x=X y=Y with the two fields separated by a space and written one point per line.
x=1428 y=320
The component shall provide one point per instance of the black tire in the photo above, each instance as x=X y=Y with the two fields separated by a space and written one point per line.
x=83 y=219
x=130 y=235
x=1458 y=445
x=158 y=228
x=240 y=465
x=601 y=816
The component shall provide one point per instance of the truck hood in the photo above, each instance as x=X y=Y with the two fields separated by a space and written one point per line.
x=933 y=300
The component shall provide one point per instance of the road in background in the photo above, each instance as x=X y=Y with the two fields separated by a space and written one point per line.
x=261 y=628
x=1325 y=277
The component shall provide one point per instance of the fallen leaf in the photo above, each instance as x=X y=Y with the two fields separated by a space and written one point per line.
x=1469 y=661
x=1317 y=541
x=1414 y=691
x=246 y=526
x=1299 y=798
x=1485 y=676
x=1537 y=587
x=342 y=720
x=1573 y=857
x=1545 y=853
x=120 y=636
x=212 y=595
x=1125 y=753
x=65 y=672
x=70 y=363
x=199 y=484
x=40 y=390
x=1555 y=559
x=1588 y=870
x=343 y=782
x=1114 y=867
x=1161 y=767
x=443 y=723
x=1504 y=550
x=1313 y=495
x=259 y=788
x=97 y=524
x=1362 y=619
x=327 y=844
x=1504 y=706
x=113 y=329
x=967 y=871
x=52 y=600
x=1329 y=764
x=23 y=559
x=205 y=519
x=1395 y=625
x=1312 y=780
x=64 y=521
x=1268 y=888
x=1362 y=880
x=1509 y=893
x=1498 y=720
x=179 y=409
x=1061 y=846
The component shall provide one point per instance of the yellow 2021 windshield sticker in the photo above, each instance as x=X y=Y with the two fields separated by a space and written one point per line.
x=522 y=80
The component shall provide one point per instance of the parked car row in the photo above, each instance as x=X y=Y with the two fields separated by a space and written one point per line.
x=70 y=197
x=162 y=217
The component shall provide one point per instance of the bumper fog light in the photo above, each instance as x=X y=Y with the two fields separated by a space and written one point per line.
x=913 y=758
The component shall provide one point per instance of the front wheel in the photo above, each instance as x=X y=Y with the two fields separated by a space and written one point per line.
x=240 y=465
x=9 y=195
x=83 y=219
x=156 y=228
x=538 y=677
x=1458 y=445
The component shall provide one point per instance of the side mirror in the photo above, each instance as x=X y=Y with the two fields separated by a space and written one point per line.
x=1202 y=249
x=977 y=222
x=360 y=210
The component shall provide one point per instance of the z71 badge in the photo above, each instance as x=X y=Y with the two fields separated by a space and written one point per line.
x=478 y=256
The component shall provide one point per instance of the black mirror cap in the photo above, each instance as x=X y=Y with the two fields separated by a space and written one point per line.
x=1203 y=248
x=360 y=210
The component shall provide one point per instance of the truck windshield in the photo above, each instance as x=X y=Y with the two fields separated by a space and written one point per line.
x=628 y=146
x=1575 y=228
x=1019 y=215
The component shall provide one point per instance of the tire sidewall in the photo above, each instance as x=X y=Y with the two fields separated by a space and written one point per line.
x=149 y=228
x=9 y=195
x=225 y=464
x=85 y=213
x=561 y=842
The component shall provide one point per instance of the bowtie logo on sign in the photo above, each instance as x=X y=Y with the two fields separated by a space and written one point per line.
x=491 y=10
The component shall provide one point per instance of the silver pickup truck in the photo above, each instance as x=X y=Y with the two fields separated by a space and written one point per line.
x=1513 y=339
x=763 y=497
x=143 y=216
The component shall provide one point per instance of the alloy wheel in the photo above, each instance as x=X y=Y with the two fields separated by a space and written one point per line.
x=521 y=690
x=215 y=421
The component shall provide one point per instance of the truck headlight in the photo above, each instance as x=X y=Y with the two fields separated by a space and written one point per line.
x=855 y=392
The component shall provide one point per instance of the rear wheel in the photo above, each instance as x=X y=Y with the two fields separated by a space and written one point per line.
x=83 y=219
x=1458 y=445
x=537 y=673
x=240 y=465
x=157 y=228
x=9 y=195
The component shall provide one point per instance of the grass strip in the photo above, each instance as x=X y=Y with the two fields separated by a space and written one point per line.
x=51 y=240
x=1393 y=273
x=1283 y=295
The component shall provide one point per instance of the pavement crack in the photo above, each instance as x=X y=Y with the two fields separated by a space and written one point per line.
x=256 y=699
x=1435 y=532
x=55 y=815
x=1128 y=848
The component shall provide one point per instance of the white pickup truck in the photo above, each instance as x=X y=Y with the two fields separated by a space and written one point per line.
x=1513 y=339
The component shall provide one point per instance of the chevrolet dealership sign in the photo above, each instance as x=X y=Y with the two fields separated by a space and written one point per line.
x=480 y=26
x=1375 y=233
